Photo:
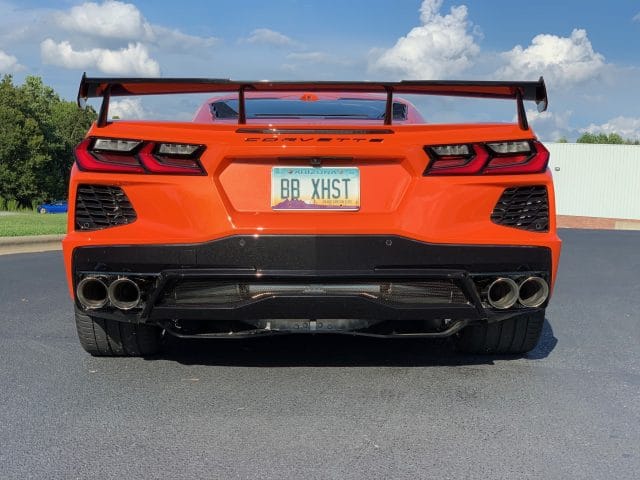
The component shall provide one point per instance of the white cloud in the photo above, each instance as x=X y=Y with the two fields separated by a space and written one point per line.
x=317 y=57
x=268 y=37
x=121 y=21
x=171 y=39
x=636 y=18
x=9 y=63
x=134 y=59
x=110 y=19
x=562 y=60
x=127 y=108
x=442 y=46
x=626 y=127
x=550 y=126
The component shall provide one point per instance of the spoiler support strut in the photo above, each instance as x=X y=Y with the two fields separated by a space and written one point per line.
x=114 y=87
x=388 y=111
x=104 y=107
x=522 y=113
x=242 y=113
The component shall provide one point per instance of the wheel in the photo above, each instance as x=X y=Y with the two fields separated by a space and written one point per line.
x=512 y=336
x=109 y=338
x=43 y=210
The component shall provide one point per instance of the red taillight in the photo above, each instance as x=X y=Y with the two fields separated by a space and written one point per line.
x=492 y=158
x=105 y=160
x=135 y=156
x=172 y=162
x=456 y=160
x=533 y=161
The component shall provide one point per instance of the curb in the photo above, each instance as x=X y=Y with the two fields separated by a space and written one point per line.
x=30 y=244
x=596 y=223
x=30 y=239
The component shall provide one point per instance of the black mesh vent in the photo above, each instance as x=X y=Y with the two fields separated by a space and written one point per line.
x=218 y=292
x=523 y=207
x=435 y=291
x=102 y=206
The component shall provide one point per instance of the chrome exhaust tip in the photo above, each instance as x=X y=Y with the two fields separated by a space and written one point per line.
x=92 y=293
x=533 y=292
x=124 y=294
x=502 y=293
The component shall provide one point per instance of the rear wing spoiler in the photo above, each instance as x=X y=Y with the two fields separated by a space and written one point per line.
x=118 y=87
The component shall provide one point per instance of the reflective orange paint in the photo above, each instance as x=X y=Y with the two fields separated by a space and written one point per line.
x=233 y=198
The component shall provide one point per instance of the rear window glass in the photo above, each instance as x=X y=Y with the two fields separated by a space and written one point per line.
x=347 y=108
x=434 y=109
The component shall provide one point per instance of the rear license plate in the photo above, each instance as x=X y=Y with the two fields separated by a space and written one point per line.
x=320 y=188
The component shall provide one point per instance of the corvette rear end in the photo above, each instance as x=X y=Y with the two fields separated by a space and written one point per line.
x=247 y=224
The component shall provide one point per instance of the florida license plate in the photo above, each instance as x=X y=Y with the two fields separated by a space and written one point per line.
x=315 y=188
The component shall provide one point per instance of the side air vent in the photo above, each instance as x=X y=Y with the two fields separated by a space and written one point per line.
x=526 y=208
x=102 y=206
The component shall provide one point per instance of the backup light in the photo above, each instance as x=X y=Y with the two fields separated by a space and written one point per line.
x=177 y=149
x=446 y=150
x=510 y=147
x=115 y=144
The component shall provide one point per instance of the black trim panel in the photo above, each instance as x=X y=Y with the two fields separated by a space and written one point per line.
x=303 y=258
x=312 y=253
x=291 y=307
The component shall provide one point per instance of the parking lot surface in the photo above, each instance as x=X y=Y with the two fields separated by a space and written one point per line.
x=329 y=406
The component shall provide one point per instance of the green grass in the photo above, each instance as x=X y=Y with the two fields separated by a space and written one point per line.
x=27 y=223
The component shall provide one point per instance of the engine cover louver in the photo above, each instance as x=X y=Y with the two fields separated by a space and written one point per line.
x=102 y=206
x=526 y=208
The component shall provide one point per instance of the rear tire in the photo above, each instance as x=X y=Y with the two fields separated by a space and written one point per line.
x=515 y=335
x=109 y=338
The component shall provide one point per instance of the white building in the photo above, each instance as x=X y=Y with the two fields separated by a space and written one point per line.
x=596 y=180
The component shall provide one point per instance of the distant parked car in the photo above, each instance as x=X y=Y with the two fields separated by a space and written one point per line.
x=59 y=206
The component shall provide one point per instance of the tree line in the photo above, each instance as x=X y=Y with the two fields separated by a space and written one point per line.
x=38 y=131
x=608 y=138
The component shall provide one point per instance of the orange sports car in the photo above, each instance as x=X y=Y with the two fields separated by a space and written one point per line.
x=317 y=207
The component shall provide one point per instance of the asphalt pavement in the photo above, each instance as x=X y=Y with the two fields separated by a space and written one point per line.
x=306 y=407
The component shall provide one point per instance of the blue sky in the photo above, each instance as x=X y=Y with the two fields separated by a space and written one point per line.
x=586 y=50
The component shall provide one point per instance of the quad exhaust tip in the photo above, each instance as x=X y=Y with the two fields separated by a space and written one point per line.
x=92 y=293
x=124 y=294
x=502 y=293
x=533 y=292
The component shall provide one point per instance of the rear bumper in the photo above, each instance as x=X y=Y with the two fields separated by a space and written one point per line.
x=315 y=261
x=340 y=253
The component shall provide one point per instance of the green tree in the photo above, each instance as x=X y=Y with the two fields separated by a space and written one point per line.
x=611 y=138
x=38 y=130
